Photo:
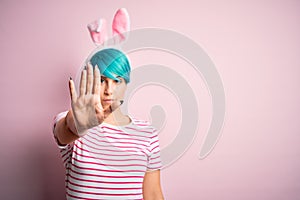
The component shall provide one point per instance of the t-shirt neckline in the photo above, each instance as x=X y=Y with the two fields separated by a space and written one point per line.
x=111 y=125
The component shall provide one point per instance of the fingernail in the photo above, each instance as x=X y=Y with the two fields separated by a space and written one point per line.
x=71 y=78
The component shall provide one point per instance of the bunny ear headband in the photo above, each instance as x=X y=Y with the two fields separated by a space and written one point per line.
x=98 y=32
x=120 y=28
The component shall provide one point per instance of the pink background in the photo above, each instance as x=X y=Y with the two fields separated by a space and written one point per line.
x=254 y=45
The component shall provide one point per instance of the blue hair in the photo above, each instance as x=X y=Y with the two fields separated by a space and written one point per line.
x=112 y=63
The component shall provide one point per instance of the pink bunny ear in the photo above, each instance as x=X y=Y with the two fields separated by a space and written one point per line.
x=98 y=31
x=121 y=24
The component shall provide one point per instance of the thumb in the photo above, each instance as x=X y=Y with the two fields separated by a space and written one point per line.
x=99 y=107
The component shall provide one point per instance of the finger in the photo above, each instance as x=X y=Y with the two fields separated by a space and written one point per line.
x=100 y=113
x=90 y=79
x=97 y=81
x=98 y=108
x=72 y=90
x=82 y=85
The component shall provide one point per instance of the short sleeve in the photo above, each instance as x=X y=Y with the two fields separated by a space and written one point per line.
x=56 y=119
x=66 y=150
x=154 y=160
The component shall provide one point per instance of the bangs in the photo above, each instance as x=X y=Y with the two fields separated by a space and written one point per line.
x=112 y=63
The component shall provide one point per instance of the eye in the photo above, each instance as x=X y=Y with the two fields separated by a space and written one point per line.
x=118 y=81
x=102 y=80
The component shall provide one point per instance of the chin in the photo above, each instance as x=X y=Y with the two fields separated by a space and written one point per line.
x=106 y=105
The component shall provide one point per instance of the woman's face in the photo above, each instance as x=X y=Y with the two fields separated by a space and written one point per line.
x=112 y=91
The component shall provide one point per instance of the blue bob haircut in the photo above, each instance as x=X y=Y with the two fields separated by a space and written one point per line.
x=112 y=63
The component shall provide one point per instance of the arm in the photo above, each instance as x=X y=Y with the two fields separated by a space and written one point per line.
x=64 y=130
x=151 y=186
x=87 y=111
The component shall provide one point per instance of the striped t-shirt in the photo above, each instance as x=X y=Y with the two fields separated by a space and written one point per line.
x=110 y=162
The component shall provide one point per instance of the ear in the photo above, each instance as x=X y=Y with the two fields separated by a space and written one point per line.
x=98 y=31
x=121 y=25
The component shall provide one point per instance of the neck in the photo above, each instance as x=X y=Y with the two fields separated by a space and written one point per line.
x=117 y=118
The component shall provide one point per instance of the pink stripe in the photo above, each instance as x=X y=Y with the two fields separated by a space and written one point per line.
x=94 y=163
x=117 y=138
x=138 y=130
x=157 y=162
x=155 y=157
x=155 y=148
x=102 y=176
x=89 y=198
x=102 y=149
x=134 y=152
x=66 y=159
x=85 y=156
x=153 y=136
x=105 y=188
x=70 y=195
x=94 y=193
x=110 y=128
x=69 y=150
x=156 y=141
x=155 y=168
x=102 y=170
x=116 y=142
x=110 y=182
x=124 y=133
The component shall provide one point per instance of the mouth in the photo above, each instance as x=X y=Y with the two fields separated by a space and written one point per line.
x=108 y=101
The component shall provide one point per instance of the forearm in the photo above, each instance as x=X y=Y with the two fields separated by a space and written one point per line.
x=65 y=130
x=153 y=195
x=151 y=186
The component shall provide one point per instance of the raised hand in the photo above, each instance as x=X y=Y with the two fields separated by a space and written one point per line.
x=87 y=108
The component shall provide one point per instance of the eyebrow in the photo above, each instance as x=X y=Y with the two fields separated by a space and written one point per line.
x=118 y=77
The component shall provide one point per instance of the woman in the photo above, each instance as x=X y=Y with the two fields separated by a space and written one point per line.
x=107 y=155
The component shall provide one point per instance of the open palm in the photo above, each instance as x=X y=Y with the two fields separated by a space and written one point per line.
x=87 y=108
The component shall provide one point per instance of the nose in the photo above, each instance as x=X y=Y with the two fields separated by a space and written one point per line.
x=109 y=87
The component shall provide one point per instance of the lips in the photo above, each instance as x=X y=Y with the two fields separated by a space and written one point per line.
x=107 y=100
